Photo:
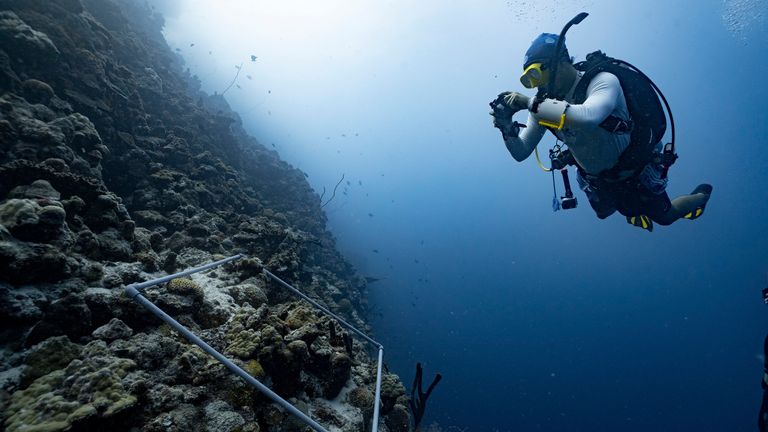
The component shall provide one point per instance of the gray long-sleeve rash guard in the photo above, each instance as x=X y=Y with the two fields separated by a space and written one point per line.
x=594 y=148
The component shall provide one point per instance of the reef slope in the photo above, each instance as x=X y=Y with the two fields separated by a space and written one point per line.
x=115 y=167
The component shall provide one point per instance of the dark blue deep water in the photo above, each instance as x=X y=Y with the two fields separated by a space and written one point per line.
x=537 y=320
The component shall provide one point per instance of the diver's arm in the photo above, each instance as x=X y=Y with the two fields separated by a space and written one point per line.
x=520 y=147
x=602 y=97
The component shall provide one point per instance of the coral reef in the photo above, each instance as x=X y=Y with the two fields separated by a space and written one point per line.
x=114 y=168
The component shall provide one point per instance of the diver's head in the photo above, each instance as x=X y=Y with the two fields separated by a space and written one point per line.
x=538 y=60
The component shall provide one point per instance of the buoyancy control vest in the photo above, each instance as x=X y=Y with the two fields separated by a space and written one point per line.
x=647 y=123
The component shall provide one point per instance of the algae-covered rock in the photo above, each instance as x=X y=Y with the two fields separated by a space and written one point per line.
x=184 y=418
x=20 y=305
x=391 y=390
x=36 y=91
x=20 y=263
x=38 y=189
x=299 y=316
x=23 y=40
x=149 y=351
x=89 y=387
x=248 y=293
x=114 y=329
x=26 y=219
x=398 y=420
x=220 y=417
x=50 y=355
x=16 y=213
x=68 y=315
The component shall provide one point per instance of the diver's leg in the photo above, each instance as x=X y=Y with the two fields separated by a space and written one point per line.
x=600 y=201
x=688 y=206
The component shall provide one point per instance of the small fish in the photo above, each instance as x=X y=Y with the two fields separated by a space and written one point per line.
x=191 y=44
x=413 y=304
x=370 y=214
x=360 y=182
x=178 y=49
x=344 y=135
x=253 y=58
x=273 y=144
x=347 y=182
x=237 y=85
x=269 y=91
x=357 y=134
x=416 y=261
x=375 y=251
x=210 y=52
x=249 y=77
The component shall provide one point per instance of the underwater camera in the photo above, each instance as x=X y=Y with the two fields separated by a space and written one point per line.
x=567 y=203
x=500 y=108
x=560 y=160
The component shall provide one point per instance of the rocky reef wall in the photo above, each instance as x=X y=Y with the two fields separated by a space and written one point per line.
x=115 y=167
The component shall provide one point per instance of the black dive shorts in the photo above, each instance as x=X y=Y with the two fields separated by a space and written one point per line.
x=630 y=198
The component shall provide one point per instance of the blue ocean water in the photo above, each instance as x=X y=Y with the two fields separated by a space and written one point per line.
x=536 y=320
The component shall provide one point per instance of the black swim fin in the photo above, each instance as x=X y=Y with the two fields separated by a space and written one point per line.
x=641 y=221
x=702 y=188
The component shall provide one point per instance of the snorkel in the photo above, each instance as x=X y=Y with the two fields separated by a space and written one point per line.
x=554 y=61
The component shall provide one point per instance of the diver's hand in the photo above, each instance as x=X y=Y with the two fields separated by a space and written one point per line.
x=499 y=107
x=500 y=122
x=516 y=101
x=508 y=127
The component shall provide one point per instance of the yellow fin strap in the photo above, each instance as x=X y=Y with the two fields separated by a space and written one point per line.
x=694 y=214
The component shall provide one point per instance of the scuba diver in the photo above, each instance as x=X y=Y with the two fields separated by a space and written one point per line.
x=762 y=417
x=608 y=115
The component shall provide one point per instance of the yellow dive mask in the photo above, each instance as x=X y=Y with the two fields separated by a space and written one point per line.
x=534 y=75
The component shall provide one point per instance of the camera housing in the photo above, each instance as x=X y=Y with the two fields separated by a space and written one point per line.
x=567 y=203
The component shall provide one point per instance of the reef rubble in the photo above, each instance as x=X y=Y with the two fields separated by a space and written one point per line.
x=115 y=168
